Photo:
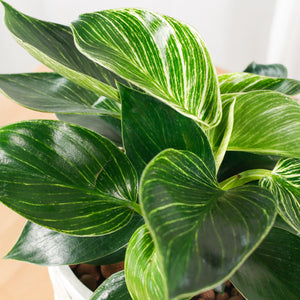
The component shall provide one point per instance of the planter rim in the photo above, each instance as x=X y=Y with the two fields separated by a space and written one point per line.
x=66 y=285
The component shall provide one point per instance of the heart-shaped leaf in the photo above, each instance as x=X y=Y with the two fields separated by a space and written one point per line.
x=51 y=92
x=112 y=288
x=273 y=270
x=245 y=82
x=202 y=233
x=150 y=126
x=42 y=246
x=284 y=184
x=273 y=70
x=157 y=53
x=53 y=45
x=261 y=124
x=66 y=178
x=143 y=272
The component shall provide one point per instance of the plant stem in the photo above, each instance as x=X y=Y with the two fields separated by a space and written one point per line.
x=137 y=208
x=244 y=177
x=219 y=155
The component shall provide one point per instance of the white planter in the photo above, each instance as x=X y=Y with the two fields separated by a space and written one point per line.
x=66 y=285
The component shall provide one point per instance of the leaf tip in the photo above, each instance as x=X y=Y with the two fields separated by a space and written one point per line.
x=5 y=4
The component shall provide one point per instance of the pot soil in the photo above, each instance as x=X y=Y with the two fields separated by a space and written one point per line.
x=92 y=276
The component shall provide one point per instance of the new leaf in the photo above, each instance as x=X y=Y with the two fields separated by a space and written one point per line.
x=157 y=53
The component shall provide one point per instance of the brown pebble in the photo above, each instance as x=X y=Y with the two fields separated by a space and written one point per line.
x=228 y=283
x=73 y=266
x=88 y=269
x=107 y=270
x=208 y=295
x=223 y=296
x=89 y=281
x=234 y=292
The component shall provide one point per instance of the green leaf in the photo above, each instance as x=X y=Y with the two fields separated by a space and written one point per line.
x=284 y=184
x=143 y=272
x=150 y=126
x=245 y=82
x=281 y=224
x=53 y=45
x=66 y=178
x=42 y=246
x=107 y=126
x=261 y=124
x=273 y=270
x=235 y=162
x=273 y=70
x=202 y=233
x=51 y=92
x=157 y=53
x=112 y=288
x=220 y=135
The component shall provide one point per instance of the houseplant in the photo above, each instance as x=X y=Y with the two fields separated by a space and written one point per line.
x=196 y=176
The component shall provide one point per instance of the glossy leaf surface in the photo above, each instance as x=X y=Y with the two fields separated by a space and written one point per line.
x=202 y=233
x=245 y=82
x=66 y=178
x=51 y=92
x=112 y=288
x=43 y=246
x=107 y=126
x=273 y=70
x=265 y=123
x=157 y=53
x=143 y=271
x=273 y=270
x=53 y=45
x=285 y=185
x=150 y=126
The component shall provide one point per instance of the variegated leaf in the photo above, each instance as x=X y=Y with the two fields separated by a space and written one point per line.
x=43 y=246
x=51 y=92
x=284 y=184
x=246 y=82
x=112 y=288
x=202 y=233
x=157 y=53
x=66 y=178
x=143 y=271
x=265 y=123
x=53 y=45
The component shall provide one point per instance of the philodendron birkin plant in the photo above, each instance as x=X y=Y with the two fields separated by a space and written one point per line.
x=190 y=177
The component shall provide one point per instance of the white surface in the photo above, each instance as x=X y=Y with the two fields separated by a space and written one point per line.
x=66 y=285
x=236 y=32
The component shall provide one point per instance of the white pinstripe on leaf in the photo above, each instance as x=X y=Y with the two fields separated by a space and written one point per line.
x=157 y=53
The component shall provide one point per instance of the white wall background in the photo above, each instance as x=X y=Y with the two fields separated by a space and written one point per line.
x=236 y=31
